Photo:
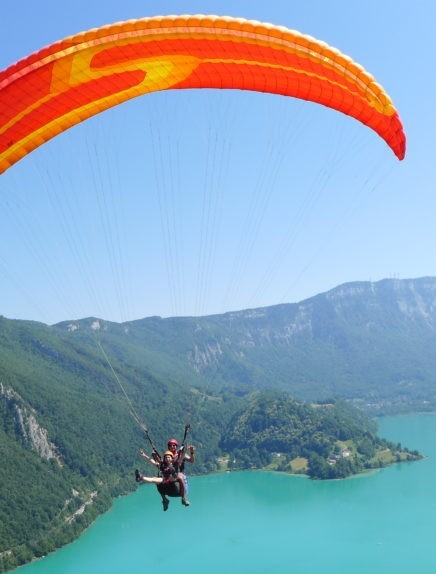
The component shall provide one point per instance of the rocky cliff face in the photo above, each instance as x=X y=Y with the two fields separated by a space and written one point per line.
x=27 y=426
x=408 y=299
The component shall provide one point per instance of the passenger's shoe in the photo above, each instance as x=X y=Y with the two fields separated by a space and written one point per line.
x=138 y=476
x=185 y=502
x=165 y=504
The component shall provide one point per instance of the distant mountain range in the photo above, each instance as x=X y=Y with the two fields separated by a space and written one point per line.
x=371 y=342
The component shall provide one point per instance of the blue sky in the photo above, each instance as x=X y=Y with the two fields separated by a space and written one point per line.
x=193 y=203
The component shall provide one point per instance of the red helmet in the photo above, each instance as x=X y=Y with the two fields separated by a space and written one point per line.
x=173 y=441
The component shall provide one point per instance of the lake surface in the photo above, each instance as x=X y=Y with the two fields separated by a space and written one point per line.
x=258 y=522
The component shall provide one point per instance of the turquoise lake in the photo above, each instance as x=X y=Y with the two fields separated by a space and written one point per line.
x=259 y=522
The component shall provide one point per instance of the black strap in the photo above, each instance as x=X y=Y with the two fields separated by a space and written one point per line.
x=147 y=434
x=187 y=429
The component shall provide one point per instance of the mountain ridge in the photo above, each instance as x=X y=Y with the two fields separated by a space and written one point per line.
x=344 y=342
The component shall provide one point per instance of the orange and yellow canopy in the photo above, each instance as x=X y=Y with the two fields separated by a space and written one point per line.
x=76 y=78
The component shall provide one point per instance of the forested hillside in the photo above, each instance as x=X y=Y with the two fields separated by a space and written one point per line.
x=68 y=443
x=324 y=440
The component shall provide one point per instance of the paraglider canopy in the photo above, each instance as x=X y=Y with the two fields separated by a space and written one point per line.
x=76 y=78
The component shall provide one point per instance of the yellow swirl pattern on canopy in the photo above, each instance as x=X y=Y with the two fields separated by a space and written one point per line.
x=76 y=78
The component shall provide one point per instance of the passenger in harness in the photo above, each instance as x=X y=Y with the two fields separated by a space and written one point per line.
x=173 y=446
x=170 y=482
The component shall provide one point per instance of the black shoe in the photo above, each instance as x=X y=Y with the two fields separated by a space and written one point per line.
x=165 y=504
x=185 y=502
x=138 y=476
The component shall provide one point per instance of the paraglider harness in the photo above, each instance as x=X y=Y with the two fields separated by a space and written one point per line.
x=168 y=472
